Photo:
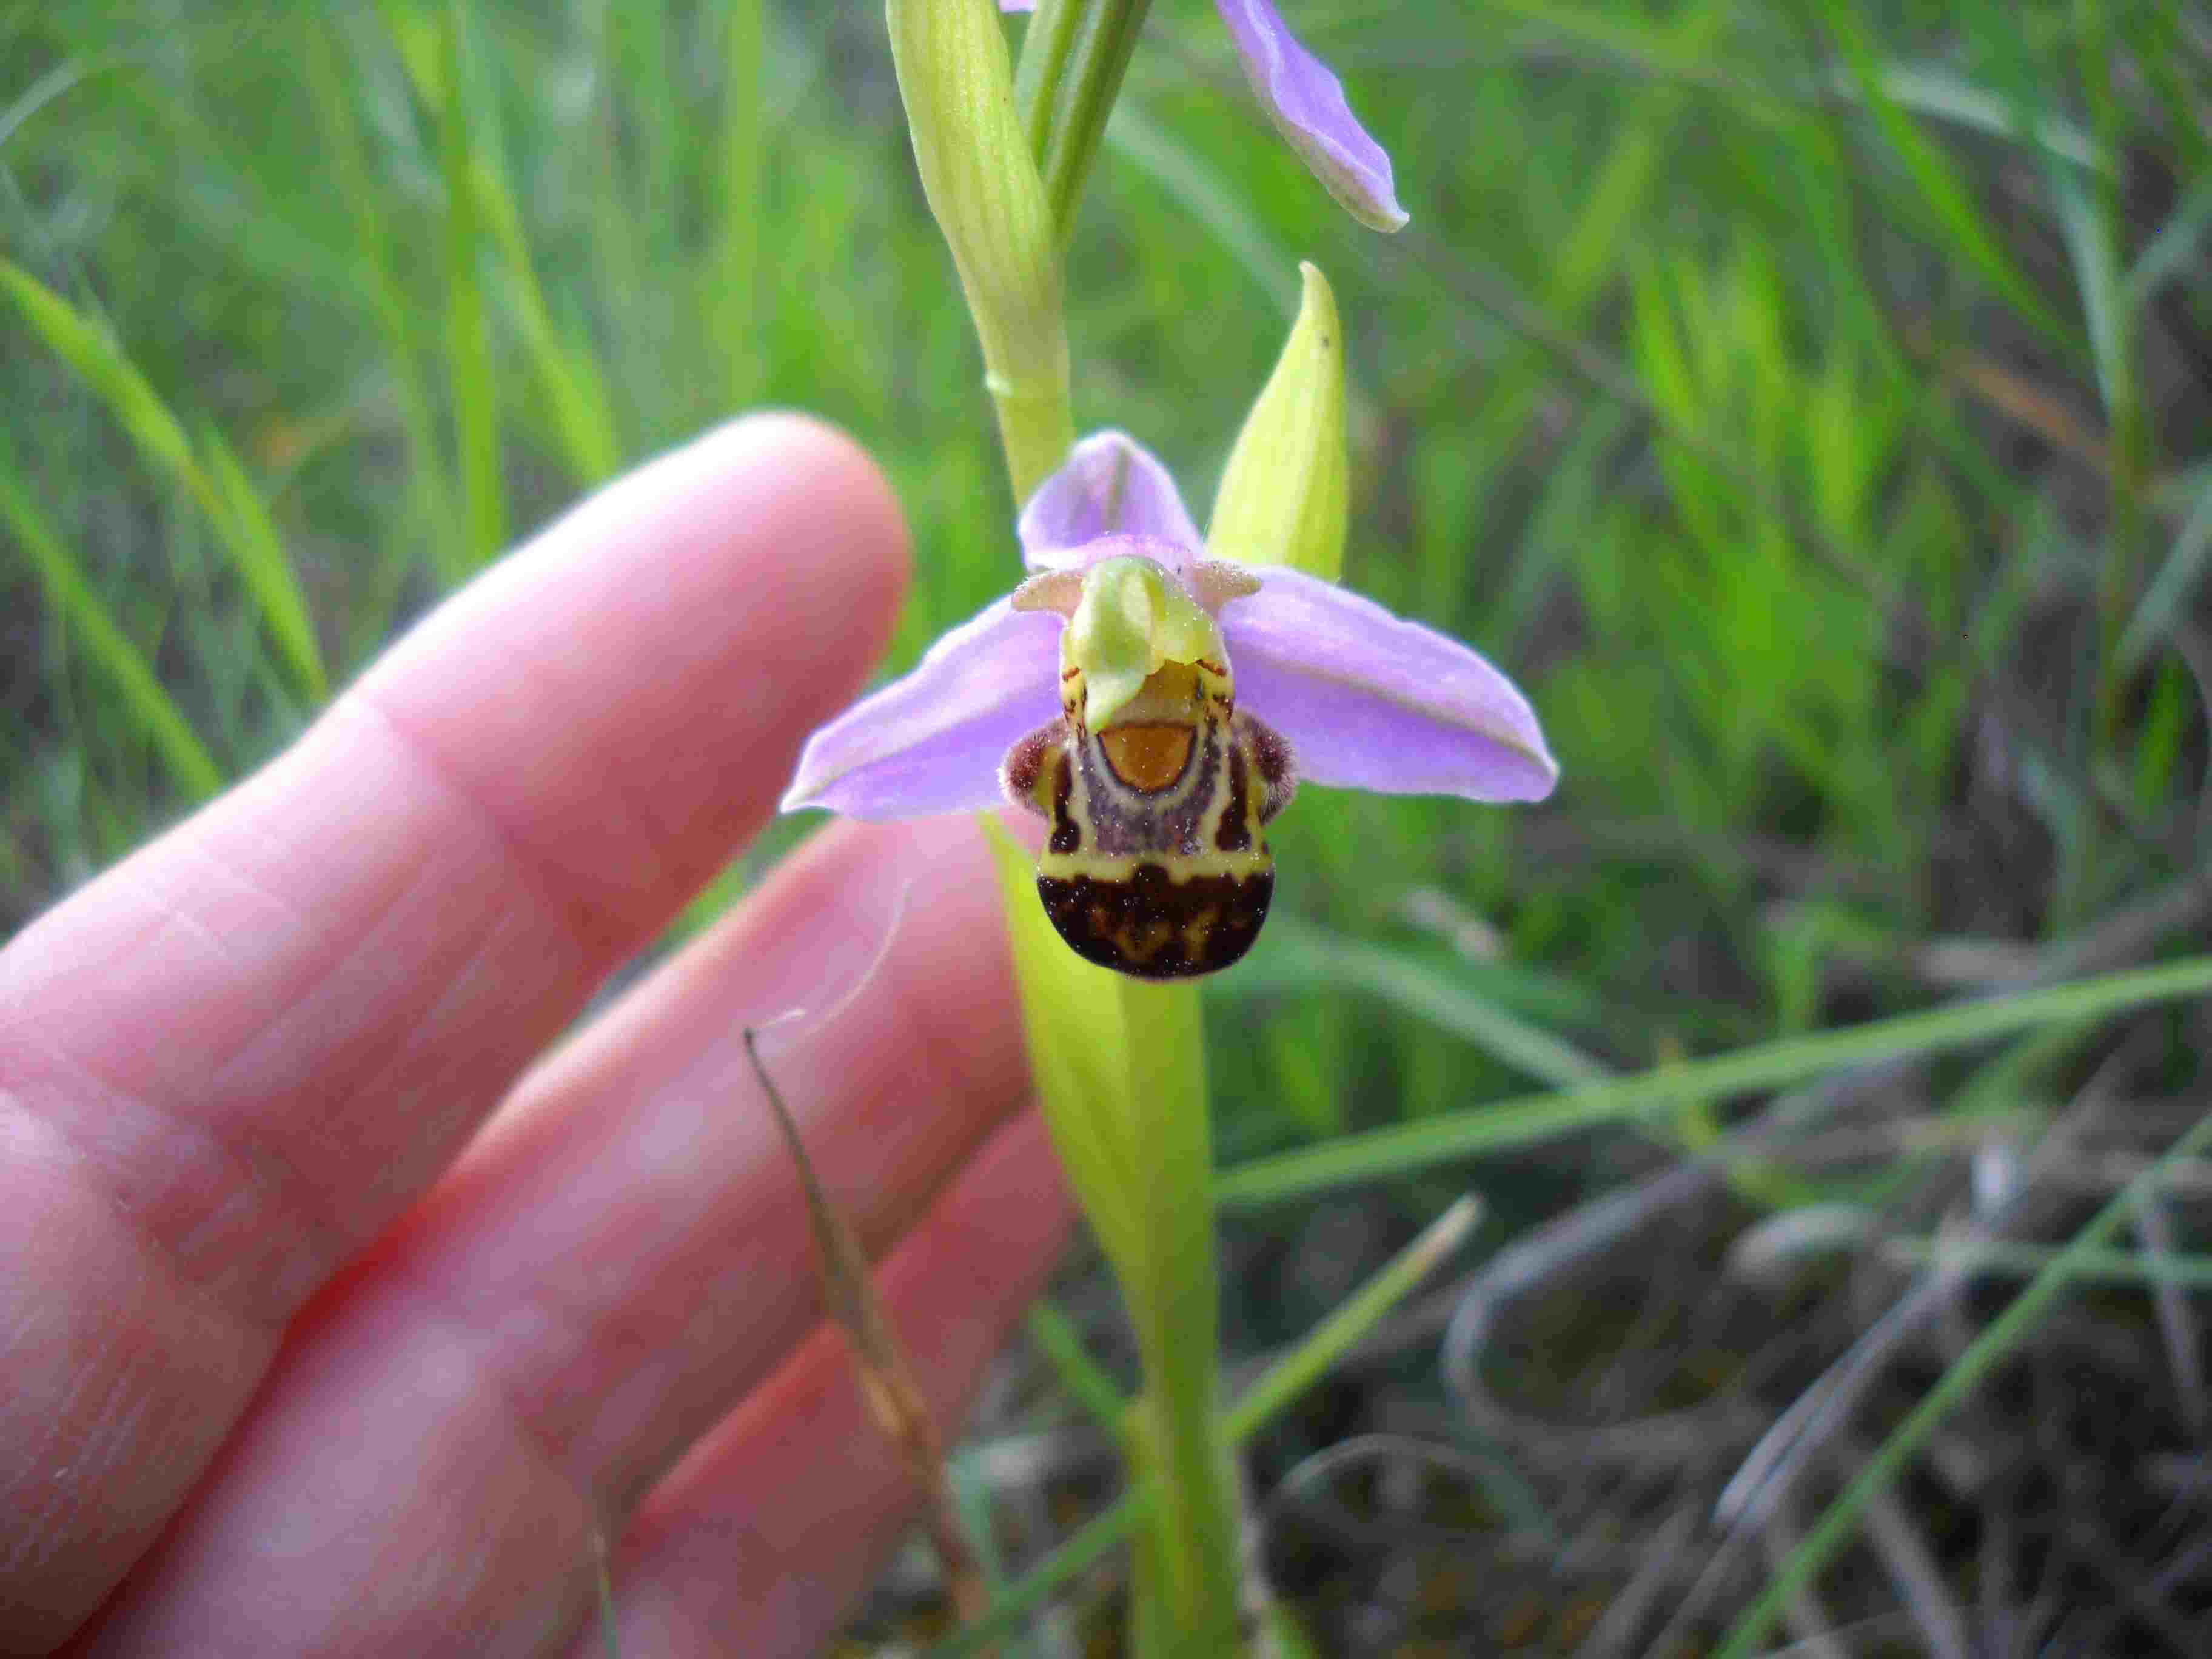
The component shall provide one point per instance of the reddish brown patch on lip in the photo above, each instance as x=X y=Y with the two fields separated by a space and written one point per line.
x=1148 y=755
x=1153 y=927
x=1066 y=833
x=1234 y=835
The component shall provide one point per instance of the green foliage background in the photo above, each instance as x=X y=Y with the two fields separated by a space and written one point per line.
x=1807 y=402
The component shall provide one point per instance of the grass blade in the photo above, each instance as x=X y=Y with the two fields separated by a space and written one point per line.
x=728 y=301
x=149 y=706
x=1937 y=91
x=890 y=1389
x=1839 y=1522
x=375 y=241
x=225 y=495
x=471 y=377
x=2176 y=580
x=1057 y=1339
x=1421 y=991
x=2173 y=250
x=2104 y=295
x=1764 y=1065
x=1940 y=185
x=2139 y=1269
x=1200 y=192
x=575 y=394
x=257 y=551
x=99 y=362
x=1028 y=1593
x=1331 y=1339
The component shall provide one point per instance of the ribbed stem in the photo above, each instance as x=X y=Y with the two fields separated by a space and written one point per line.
x=1186 y=1577
x=1073 y=63
x=982 y=186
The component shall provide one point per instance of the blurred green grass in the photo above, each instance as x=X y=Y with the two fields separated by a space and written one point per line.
x=1806 y=404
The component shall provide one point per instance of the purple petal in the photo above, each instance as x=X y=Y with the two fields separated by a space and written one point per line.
x=933 y=742
x=1110 y=482
x=1305 y=101
x=1017 y=5
x=1370 y=701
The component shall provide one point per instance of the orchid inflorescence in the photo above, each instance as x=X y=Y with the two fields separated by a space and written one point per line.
x=1154 y=698
x=1192 y=695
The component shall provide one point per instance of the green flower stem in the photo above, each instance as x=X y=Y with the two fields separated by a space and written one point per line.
x=1046 y=51
x=1036 y=428
x=982 y=186
x=1073 y=63
x=1326 y=1344
x=1187 y=1580
x=1119 y=1065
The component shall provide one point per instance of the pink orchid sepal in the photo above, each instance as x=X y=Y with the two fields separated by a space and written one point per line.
x=1305 y=101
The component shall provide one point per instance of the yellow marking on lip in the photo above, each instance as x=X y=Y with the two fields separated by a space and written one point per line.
x=1179 y=867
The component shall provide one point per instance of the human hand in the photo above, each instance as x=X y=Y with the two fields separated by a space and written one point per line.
x=297 y=1360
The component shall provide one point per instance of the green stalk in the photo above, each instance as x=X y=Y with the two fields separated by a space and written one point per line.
x=1186 y=1591
x=1321 y=1348
x=1119 y=1066
x=957 y=84
x=1047 y=50
x=1073 y=63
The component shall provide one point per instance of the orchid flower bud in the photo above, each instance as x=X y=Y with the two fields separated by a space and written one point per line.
x=1284 y=496
x=982 y=185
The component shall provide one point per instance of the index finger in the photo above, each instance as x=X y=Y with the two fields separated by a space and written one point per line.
x=228 y=1063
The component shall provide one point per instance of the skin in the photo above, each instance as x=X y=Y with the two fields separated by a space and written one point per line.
x=344 y=1301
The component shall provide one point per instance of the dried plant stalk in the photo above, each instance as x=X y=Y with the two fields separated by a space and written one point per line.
x=887 y=1382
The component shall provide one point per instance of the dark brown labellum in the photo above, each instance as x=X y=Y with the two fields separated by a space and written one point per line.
x=1155 y=863
x=1148 y=924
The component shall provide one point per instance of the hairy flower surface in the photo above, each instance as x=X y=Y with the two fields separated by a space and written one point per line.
x=1193 y=696
x=1305 y=101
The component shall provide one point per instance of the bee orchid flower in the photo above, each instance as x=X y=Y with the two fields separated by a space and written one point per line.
x=1157 y=709
x=1305 y=101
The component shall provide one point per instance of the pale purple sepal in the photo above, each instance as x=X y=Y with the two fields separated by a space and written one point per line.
x=1370 y=701
x=1109 y=484
x=1017 y=5
x=934 y=741
x=1305 y=101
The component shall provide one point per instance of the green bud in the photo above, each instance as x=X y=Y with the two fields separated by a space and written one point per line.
x=1131 y=621
x=1286 y=495
x=982 y=184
